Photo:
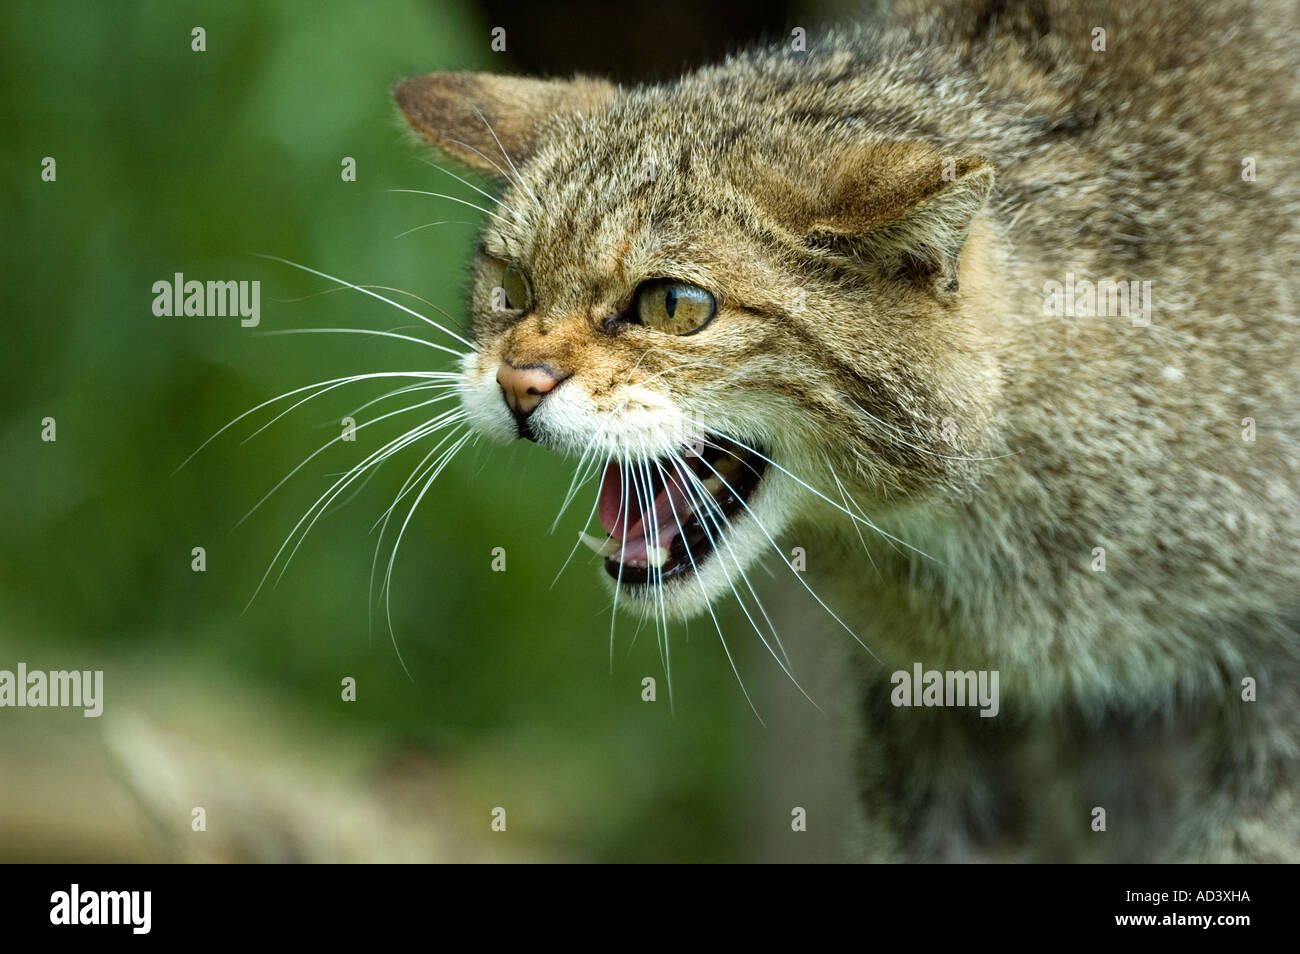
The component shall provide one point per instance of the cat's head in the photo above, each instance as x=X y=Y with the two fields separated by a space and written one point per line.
x=744 y=314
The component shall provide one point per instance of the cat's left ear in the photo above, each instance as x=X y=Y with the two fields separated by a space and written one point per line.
x=480 y=118
x=904 y=207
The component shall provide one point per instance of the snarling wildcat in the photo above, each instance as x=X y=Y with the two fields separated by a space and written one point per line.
x=996 y=301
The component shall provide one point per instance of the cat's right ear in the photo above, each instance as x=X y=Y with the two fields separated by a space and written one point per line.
x=483 y=118
x=903 y=206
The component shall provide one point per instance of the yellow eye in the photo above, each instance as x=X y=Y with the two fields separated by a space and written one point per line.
x=674 y=307
x=519 y=294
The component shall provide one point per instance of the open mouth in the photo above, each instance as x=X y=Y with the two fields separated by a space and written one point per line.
x=664 y=518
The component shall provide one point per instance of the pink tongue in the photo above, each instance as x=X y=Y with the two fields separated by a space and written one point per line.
x=611 y=501
x=663 y=528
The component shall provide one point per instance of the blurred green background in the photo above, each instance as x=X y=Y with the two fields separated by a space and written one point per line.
x=170 y=160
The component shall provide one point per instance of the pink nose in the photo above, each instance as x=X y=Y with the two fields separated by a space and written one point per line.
x=525 y=387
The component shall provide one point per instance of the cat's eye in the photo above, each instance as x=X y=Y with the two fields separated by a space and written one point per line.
x=519 y=294
x=674 y=307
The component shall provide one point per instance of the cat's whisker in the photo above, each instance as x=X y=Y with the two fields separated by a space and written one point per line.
x=371 y=460
x=486 y=195
x=412 y=479
x=709 y=511
x=366 y=291
x=510 y=162
x=452 y=198
x=809 y=487
x=649 y=527
x=356 y=491
x=429 y=225
x=574 y=486
x=442 y=462
x=407 y=486
x=857 y=529
x=781 y=553
x=437 y=386
x=622 y=550
x=595 y=504
x=706 y=510
x=409 y=294
x=288 y=394
x=709 y=606
x=451 y=383
x=330 y=443
x=363 y=331
x=896 y=435
x=578 y=472
x=853 y=504
x=351 y=476
x=501 y=172
x=389 y=288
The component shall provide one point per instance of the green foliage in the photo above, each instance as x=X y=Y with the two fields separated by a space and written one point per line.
x=171 y=161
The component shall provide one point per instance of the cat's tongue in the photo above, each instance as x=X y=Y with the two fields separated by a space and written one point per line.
x=644 y=525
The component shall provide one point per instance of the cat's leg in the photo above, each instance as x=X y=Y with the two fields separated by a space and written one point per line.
x=1244 y=806
x=935 y=782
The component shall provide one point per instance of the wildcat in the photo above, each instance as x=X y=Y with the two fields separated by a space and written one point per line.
x=823 y=291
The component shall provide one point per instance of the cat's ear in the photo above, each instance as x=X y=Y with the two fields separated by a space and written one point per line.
x=480 y=118
x=904 y=207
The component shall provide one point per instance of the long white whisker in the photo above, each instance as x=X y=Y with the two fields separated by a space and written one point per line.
x=429 y=225
x=595 y=503
x=707 y=511
x=814 y=490
x=367 y=291
x=416 y=475
x=487 y=195
x=894 y=433
x=781 y=553
x=580 y=469
x=363 y=331
x=653 y=539
x=447 y=419
x=648 y=532
x=289 y=394
x=407 y=389
x=324 y=447
x=409 y=485
x=622 y=550
x=443 y=195
x=311 y=397
x=388 y=577
x=371 y=460
x=858 y=530
x=711 y=511
x=709 y=606
x=501 y=172
x=510 y=162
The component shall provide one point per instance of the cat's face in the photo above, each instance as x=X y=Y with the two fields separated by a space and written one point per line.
x=681 y=298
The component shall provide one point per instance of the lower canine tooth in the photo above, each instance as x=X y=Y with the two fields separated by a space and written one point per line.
x=713 y=484
x=657 y=556
x=606 y=548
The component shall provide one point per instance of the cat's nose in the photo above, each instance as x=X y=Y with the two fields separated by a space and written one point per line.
x=525 y=387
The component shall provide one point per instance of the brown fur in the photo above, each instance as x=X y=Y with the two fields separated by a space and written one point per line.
x=866 y=298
